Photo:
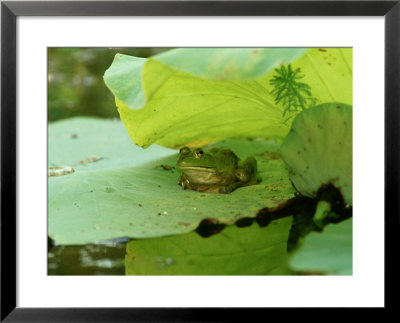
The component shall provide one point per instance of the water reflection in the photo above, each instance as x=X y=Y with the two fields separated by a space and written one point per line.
x=106 y=258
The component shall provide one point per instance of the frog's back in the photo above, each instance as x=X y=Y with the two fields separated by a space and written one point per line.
x=227 y=160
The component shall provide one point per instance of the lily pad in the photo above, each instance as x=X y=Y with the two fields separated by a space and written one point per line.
x=228 y=63
x=224 y=94
x=132 y=192
x=251 y=250
x=124 y=77
x=91 y=144
x=329 y=72
x=183 y=109
x=319 y=150
x=329 y=252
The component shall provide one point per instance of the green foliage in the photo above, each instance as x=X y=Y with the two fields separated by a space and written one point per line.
x=124 y=76
x=288 y=91
x=251 y=250
x=329 y=252
x=194 y=97
x=318 y=151
x=185 y=110
x=179 y=106
x=329 y=73
x=228 y=63
x=127 y=191
x=184 y=98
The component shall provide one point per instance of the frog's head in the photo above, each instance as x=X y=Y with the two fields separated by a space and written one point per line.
x=197 y=159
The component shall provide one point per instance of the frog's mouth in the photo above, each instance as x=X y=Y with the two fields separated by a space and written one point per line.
x=198 y=169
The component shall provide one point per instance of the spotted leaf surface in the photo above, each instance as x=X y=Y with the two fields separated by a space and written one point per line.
x=121 y=190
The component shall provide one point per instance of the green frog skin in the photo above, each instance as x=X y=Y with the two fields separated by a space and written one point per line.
x=216 y=170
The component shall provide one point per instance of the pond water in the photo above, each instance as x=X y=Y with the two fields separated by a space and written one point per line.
x=75 y=80
x=107 y=258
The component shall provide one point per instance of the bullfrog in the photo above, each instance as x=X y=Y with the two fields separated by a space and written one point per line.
x=216 y=170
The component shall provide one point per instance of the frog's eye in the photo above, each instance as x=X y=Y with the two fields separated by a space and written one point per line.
x=199 y=153
x=184 y=150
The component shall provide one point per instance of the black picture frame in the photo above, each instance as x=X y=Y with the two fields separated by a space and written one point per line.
x=10 y=10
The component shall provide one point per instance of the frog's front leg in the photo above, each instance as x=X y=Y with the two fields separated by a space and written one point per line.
x=184 y=181
x=229 y=188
